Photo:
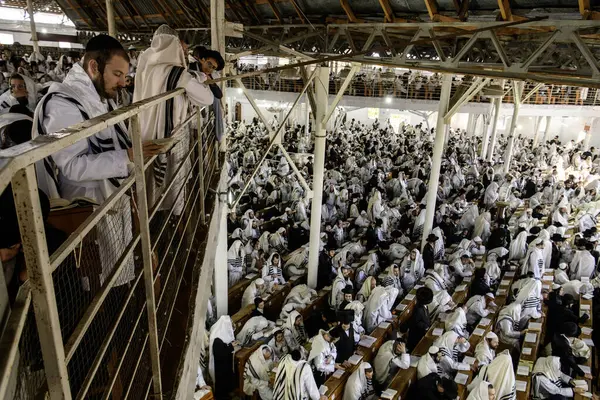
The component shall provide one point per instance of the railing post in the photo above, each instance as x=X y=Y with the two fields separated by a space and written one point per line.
x=201 y=166
x=33 y=238
x=142 y=204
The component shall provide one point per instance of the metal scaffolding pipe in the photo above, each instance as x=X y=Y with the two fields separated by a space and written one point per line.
x=110 y=17
x=34 y=38
x=494 y=133
x=321 y=98
x=438 y=149
x=518 y=91
x=547 y=128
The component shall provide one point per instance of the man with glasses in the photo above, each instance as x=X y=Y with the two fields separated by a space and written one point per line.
x=17 y=94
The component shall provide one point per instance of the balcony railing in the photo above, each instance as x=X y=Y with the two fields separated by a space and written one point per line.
x=94 y=316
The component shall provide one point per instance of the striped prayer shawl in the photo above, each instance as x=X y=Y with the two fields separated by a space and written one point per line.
x=293 y=383
x=160 y=164
x=96 y=144
x=512 y=395
x=235 y=262
x=369 y=390
x=531 y=302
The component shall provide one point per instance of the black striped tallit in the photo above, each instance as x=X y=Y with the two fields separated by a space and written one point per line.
x=96 y=144
x=160 y=164
x=531 y=302
x=293 y=382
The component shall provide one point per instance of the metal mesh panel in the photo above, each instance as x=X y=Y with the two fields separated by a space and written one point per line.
x=31 y=379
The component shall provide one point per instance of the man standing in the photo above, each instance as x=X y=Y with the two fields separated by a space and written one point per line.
x=429 y=251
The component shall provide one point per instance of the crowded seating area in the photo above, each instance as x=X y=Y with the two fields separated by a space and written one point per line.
x=499 y=304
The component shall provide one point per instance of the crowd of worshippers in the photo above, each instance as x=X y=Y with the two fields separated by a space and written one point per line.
x=373 y=216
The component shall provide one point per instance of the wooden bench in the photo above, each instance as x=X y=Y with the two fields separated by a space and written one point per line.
x=241 y=357
x=272 y=310
x=235 y=294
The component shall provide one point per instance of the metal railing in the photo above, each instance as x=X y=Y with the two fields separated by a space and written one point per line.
x=92 y=320
x=401 y=88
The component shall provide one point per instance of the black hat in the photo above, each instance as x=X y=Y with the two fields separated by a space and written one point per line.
x=424 y=295
x=103 y=43
x=348 y=290
x=257 y=301
x=535 y=230
x=432 y=238
x=570 y=329
x=557 y=238
x=450 y=388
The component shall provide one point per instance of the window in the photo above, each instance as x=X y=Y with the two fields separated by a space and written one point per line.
x=6 y=38
x=64 y=45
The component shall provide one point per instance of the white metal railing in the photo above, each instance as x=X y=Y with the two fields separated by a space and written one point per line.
x=100 y=332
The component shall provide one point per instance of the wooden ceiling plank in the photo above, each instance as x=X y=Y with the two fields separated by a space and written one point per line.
x=348 y=11
x=387 y=10
x=275 y=11
x=298 y=11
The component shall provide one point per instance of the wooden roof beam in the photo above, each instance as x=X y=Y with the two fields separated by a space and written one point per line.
x=586 y=12
x=348 y=11
x=298 y=11
x=275 y=11
x=387 y=10
x=434 y=14
x=506 y=11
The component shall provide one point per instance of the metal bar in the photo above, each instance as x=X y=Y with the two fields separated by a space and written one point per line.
x=33 y=238
x=9 y=345
x=538 y=52
x=369 y=41
x=475 y=87
x=437 y=46
x=110 y=17
x=201 y=167
x=295 y=168
x=532 y=92
x=499 y=49
x=465 y=49
x=252 y=103
x=518 y=91
x=272 y=141
x=587 y=54
x=142 y=202
x=34 y=37
x=106 y=342
x=355 y=68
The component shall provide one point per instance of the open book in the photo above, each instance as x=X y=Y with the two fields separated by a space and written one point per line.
x=64 y=204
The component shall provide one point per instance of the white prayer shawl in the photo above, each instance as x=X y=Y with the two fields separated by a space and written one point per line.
x=235 y=259
x=252 y=327
x=358 y=309
x=457 y=322
x=426 y=366
x=412 y=270
x=396 y=252
x=441 y=302
x=222 y=329
x=587 y=221
x=482 y=227
x=365 y=291
x=273 y=273
x=382 y=361
x=534 y=262
x=439 y=247
x=320 y=345
x=448 y=346
x=300 y=294
x=491 y=194
x=419 y=223
x=483 y=353
x=582 y=265
x=357 y=386
x=557 y=216
x=378 y=307
x=518 y=247
x=291 y=381
x=530 y=297
x=295 y=336
x=256 y=373
x=337 y=297
x=251 y=293
x=467 y=221
x=481 y=392
x=501 y=375
x=492 y=268
x=375 y=208
x=548 y=367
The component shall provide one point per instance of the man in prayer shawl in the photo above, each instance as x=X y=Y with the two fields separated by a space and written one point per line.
x=390 y=358
x=464 y=265
x=476 y=247
x=369 y=268
x=485 y=352
x=322 y=357
x=583 y=263
x=257 y=288
x=379 y=306
x=560 y=275
x=419 y=322
x=518 y=246
x=479 y=307
x=482 y=226
x=278 y=345
x=256 y=373
x=588 y=220
x=391 y=277
x=222 y=342
x=529 y=295
x=357 y=308
x=294 y=331
x=360 y=384
x=429 y=363
x=451 y=345
x=253 y=330
x=562 y=347
x=549 y=382
x=272 y=272
x=491 y=193
x=500 y=374
x=348 y=296
x=485 y=391
x=235 y=258
x=457 y=321
x=345 y=338
x=294 y=380
x=367 y=287
x=339 y=284
x=508 y=326
x=535 y=261
x=161 y=68
x=412 y=269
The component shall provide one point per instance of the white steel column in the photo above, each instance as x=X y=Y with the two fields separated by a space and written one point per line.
x=536 y=133
x=547 y=128
x=470 y=124
x=485 y=127
x=517 y=92
x=306 y=116
x=217 y=39
x=220 y=286
x=438 y=149
x=34 y=38
x=33 y=237
x=321 y=98
x=494 y=133
x=110 y=16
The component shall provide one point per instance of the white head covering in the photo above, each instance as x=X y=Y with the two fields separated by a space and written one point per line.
x=550 y=368
x=426 y=364
x=500 y=373
x=252 y=326
x=222 y=329
x=481 y=392
x=447 y=341
x=319 y=344
x=357 y=382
